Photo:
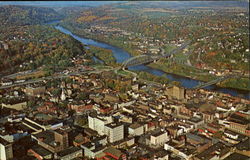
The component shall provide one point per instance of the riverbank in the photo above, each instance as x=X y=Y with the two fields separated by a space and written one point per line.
x=115 y=42
x=122 y=56
x=186 y=71
x=104 y=55
x=176 y=69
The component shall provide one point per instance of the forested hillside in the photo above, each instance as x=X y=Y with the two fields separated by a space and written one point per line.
x=26 y=15
x=26 y=43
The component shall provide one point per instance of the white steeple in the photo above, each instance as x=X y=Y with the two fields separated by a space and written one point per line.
x=63 y=96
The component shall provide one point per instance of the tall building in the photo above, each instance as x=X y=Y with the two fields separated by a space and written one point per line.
x=6 y=151
x=97 y=123
x=114 y=131
x=62 y=137
x=53 y=140
x=175 y=92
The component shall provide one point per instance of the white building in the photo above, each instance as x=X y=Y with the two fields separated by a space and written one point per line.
x=18 y=105
x=114 y=131
x=177 y=152
x=159 y=139
x=97 y=123
x=136 y=129
x=91 y=150
x=6 y=151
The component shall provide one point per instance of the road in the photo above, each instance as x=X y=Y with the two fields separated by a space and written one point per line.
x=53 y=77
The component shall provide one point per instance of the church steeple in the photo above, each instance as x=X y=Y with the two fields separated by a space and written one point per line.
x=63 y=96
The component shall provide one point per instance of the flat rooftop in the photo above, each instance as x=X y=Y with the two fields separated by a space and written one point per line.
x=209 y=153
x=68 y=151
x=4 y=142
x=235 y=156
x=113 y=125
x=40 y=150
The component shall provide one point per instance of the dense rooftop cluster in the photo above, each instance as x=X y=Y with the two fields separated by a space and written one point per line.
x=91 y=116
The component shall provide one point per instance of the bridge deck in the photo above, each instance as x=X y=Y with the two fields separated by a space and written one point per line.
x=212 y=82
x=143 y=59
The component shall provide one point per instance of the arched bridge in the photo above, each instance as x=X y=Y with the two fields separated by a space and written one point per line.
x=144 y=59
x=141 y=59
x=202 y=85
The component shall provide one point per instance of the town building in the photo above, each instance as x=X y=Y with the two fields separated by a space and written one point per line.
x=17 y=104
x=136 y=129
x=35 y=91
x=53 y=140
x=40 y=152
x=159 y=139
x=175 y=92
x=69 y=153
x=98 y=123
x=114 y=131
x=6 y=151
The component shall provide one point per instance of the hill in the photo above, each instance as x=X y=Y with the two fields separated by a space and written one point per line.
x=26 y=15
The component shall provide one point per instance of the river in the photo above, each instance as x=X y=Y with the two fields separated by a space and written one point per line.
x=122 y=55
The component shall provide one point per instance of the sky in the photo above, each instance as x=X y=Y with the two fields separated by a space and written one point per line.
x=241 y=3
x=58 y=3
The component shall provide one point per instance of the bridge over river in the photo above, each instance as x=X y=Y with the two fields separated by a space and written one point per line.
x=149 y=58
x=202 y=85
